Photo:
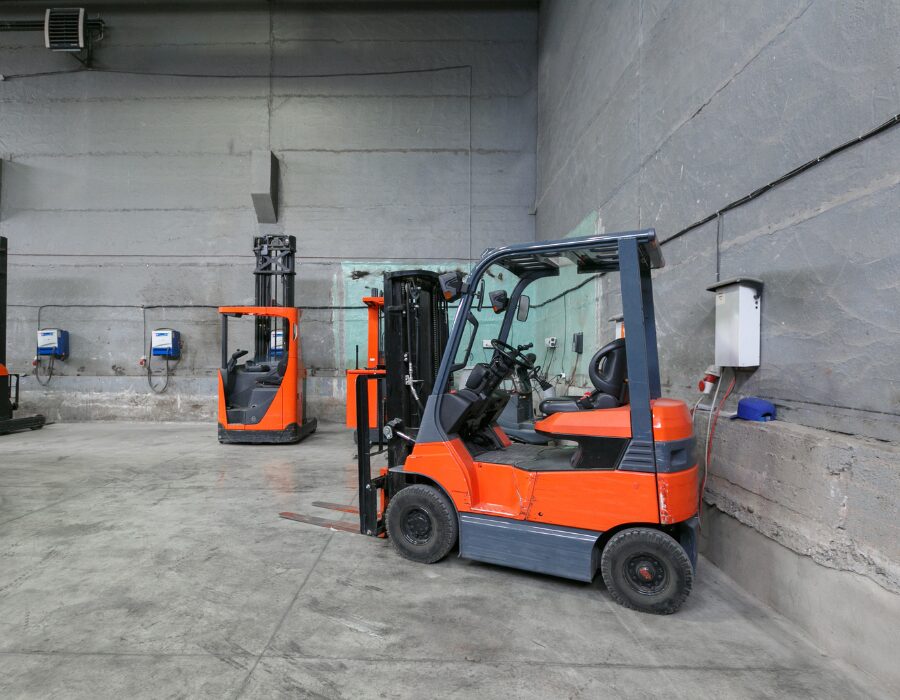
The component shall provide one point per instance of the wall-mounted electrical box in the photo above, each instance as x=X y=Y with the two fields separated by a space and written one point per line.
x=165 y=342
x=578 y=343
x=276 y=344
x=53 y=342
x=737 y=321
x=619 y=323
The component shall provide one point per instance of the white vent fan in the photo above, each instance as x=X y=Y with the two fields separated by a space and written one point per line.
x=64 y=29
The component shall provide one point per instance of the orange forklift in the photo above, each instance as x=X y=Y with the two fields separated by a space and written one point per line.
x=617 y=489
x=263 y=400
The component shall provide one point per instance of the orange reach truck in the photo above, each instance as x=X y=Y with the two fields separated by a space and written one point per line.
x=263 y=399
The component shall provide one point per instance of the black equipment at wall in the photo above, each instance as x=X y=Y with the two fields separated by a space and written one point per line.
x=9 y=383
x=415 y=335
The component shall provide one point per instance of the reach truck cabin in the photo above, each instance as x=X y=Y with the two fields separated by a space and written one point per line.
x=262 y=400
x=622 y=499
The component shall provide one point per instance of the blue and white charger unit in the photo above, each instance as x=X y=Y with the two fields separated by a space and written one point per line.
x=165 y=342
x=276 y=344
x=53 y=342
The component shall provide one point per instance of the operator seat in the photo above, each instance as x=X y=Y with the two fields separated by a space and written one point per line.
x=608 y=371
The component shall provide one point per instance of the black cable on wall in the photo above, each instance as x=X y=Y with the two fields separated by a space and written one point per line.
x=755 y=194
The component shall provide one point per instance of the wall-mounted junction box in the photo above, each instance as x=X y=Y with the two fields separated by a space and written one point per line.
x=578 y=343
x=486 y=344
x=550 y=342
x=164 y=342
x=619 y=323
x=737 y=321
x=53 y=342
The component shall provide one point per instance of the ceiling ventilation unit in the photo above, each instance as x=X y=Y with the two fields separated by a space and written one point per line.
x=64 y=29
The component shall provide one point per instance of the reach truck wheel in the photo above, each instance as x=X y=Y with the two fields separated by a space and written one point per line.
x=646 y=570
x=421 y=523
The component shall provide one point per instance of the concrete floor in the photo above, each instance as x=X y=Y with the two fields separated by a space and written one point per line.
x=146 y=560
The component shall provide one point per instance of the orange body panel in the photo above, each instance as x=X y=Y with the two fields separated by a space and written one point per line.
x=671 y=421
x=3 y=371
x=352 y=375
x=502 y=436
x=373 y=357
x=286 y=407
x=679 y=495
x=600 y=422
x=590 y=499
x=502 y=490
x=449 y=464
x=374 y=360
x=594 y=500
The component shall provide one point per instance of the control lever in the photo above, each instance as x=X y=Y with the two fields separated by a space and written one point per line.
x=543 y=383
x=392 y=429
x=235 y=356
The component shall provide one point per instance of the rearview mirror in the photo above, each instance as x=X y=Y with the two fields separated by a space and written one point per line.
x=499 y=301
x=451 y=285
x=480 y=295
x=524 y=306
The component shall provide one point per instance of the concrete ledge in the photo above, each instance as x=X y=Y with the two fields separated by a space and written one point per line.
x=847 y=615
x=824 y=495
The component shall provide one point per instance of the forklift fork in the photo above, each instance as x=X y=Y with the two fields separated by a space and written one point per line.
x=371 y=522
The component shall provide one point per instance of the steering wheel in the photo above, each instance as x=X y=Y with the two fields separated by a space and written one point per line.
x=513 y=355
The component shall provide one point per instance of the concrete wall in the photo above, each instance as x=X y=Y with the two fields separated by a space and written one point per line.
x=133 y=190
x=658 y=113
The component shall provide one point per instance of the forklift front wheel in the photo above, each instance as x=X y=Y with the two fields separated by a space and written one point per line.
x=645 y=569
x=421 y=523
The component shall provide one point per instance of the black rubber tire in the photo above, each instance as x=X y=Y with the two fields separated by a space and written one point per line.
x=422 y=524
x=646 y=552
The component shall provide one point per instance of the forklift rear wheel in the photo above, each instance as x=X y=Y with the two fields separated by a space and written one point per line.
x=421 y=523
x=646 y=570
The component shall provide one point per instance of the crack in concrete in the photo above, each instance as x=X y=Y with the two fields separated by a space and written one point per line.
x=287 y=611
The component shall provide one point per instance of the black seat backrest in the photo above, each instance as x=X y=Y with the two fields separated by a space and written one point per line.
x=609 y=368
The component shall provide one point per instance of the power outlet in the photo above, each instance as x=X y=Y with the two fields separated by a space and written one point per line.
x=550 y=342
x=486 y=344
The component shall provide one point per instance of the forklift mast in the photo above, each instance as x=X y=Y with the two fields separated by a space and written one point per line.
x=415 y=335
x=274 y=279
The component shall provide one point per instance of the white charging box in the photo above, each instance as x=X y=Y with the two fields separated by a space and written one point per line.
x=737 y=321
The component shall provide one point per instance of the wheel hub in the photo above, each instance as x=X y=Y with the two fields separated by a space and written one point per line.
x=645 y=573
x=417 y=526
